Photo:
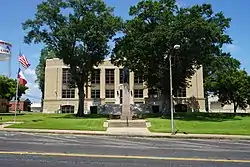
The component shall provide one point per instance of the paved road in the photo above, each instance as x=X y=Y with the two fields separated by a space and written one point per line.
x=20 y=149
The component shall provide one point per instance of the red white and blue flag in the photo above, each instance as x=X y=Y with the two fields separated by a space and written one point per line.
x=21 y=77
x=24 y=61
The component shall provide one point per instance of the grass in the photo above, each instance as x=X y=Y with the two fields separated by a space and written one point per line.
x=57 y=121
x=203 y=123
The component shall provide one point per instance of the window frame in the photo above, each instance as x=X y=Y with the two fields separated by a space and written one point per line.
x=68 y=93
x=109 y=92
x=137 y=93
x=95 y=93
x=70 y=109
x=96 y=77
x=109 y=76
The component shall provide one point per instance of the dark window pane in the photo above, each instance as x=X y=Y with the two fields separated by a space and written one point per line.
x=67 y=109
x=110 y=76
x=138 y=93
x=95 y=94
x=110 y=93
x=68 y=93
x=137 y=79
x=95 y=77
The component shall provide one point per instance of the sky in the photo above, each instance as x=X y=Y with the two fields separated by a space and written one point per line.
x=14 y=12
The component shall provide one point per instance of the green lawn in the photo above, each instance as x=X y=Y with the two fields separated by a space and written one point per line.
x=204 y=124
x=57 y=121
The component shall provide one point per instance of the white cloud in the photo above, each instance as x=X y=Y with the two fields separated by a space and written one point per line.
x=33 y=93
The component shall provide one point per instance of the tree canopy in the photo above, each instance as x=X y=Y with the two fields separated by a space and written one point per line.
x=232 y=87
x=8 y=88
x=216 y=67
x=78 y=32
x=156 y=26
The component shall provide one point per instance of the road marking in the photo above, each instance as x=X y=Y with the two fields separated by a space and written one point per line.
x=127 y=157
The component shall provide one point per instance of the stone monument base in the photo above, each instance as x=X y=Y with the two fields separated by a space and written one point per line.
x=128 y=123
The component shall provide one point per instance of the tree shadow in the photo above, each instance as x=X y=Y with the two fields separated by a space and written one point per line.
x=199 y=116
x=74 y=116
x=37 y=120
x=209 y=117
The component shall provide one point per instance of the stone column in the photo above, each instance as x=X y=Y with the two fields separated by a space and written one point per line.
x=126 y=114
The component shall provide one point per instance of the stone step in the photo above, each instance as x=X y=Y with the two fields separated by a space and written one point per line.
x=130 y=123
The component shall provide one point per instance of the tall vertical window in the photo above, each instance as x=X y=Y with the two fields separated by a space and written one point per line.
x=110 y=76
x=138 y=93
x=138 y=79
x=121 y=95
x=95 y=77
x=67 y=91
x=121 y=76
x=66 y=76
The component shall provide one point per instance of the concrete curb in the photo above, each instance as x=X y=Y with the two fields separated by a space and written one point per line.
x=150 y=135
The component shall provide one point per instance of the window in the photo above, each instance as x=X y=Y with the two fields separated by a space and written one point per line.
x=95 y=77
x=95 y=94
x=68 y=93
x=66 y=76
x=109 y=76
x=121 y=76
x=121 y=97
x=138 y=80
x=67 y=109
x=110 y=93
x=181 y=92
x=153 y=93
x=138 y=93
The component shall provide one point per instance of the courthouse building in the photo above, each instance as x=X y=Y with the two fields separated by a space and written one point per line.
x=106 y=88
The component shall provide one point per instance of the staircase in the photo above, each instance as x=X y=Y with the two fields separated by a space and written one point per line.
x=127 y=123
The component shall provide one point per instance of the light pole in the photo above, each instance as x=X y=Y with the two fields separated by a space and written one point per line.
x=176 y=47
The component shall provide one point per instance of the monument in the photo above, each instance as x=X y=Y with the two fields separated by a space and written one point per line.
x=126 y=113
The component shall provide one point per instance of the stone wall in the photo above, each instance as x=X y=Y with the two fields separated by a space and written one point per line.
x=116 y=109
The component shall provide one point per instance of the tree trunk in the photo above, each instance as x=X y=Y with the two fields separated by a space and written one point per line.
x=165 y=104
x=42 y=102
x=235 y=107
x=81 y=96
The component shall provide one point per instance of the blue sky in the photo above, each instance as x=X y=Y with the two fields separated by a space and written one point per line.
x=14 y=12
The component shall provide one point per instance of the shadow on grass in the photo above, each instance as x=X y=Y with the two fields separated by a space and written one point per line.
x=198 y=116
x=10 y=114
x=73 y=116
x=37 y=120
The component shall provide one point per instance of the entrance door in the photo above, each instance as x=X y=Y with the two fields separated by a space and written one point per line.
x=93 y=109
x=155 y=109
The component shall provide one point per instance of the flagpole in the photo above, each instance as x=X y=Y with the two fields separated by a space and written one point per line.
x=17 y=88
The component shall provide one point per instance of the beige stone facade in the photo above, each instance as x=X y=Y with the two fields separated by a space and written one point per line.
x=106 y=88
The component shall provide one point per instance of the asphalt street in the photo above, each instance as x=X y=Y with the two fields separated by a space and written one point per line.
x=29 y=150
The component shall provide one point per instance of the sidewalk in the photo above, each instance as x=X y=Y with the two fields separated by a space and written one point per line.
x=129 y=132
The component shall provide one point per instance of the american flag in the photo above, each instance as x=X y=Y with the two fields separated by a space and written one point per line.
x=23 y=60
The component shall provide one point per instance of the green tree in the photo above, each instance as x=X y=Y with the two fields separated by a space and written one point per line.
x=217 y=66
x=40 y=68
x=154 y=30
x=8 y=88
x=232 y=87
x=78 y=32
